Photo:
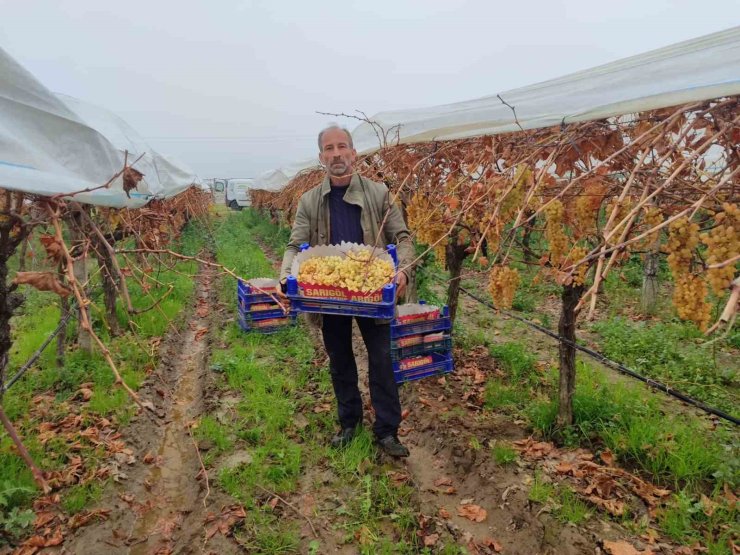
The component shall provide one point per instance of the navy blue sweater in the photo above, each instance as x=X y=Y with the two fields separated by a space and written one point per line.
x=344 y=218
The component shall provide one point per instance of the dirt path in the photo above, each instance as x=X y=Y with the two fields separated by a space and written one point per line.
x=157 y=507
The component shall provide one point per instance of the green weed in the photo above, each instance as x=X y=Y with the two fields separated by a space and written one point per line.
x=80 y=496
x=516 y=360
x=540 y=491
x=669 y=352
x=503 y=453
x=499 y=395
x=571 y=508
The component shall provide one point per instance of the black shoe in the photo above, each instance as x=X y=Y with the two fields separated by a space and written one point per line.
x=393 y=447
x=344 y=436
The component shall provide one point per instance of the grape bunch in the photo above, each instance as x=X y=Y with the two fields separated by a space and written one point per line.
x=683 y=238
x=723 y=242
x=360 y=270
x=557 y=240
x=579 y=273
x=690 y=291
x=502 y=285
x=689 y=298
x=427 y=221
x=651 y=218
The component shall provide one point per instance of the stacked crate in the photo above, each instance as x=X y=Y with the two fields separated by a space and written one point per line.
x=421 y=348
x=258 y=311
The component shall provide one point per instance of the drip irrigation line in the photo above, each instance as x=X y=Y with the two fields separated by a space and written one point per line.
x=35 y=356
x=610 y=363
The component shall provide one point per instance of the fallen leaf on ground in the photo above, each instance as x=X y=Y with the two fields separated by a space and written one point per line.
x=444 y=513
x=398 y=478
x=533 y=449
x=324 y=407
x=431 y=540
x=612 y=506
x=472 y=512
x=81 y=519
x=443 y=481
x=86 y=393
x=200 y=333
x=405 y=414
x=50 y=539
x=492 y=544
x=224 y=522
x=651 y=536
x=608 y=457
x=623 y=548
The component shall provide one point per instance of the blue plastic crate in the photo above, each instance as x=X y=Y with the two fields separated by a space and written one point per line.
x=442 y=345
x=246 y=294
x=441 y=364
x=248 y=325
x=442 y=323
x=383 y=310
x=276 y=312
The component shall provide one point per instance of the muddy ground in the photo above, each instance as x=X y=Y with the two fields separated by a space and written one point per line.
x=157 y=506
x=160 y=506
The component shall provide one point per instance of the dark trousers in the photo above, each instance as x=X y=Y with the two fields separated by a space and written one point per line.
x=337 y=332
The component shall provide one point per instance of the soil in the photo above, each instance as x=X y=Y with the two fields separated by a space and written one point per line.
x=160 y=506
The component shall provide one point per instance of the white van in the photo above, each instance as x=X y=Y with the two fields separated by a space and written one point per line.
x=237 y=192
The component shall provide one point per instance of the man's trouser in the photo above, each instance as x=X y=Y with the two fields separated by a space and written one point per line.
x=337 y=332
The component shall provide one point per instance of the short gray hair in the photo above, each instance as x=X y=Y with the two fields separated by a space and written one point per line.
x=335 y=126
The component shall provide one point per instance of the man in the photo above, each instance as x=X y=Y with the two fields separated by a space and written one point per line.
x=347 y=207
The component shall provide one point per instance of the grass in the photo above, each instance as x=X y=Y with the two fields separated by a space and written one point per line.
x=639 y=427
x=540 y=491
x=503 y=453
x=671 y=352
x=280 y=385
x=31 y=325
x=515 y=359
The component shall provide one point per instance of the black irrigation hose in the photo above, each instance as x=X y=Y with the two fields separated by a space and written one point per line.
x=610 y=363
x=30 y=362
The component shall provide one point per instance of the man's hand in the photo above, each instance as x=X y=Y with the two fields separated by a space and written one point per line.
x=281 y=289
x=401 y=282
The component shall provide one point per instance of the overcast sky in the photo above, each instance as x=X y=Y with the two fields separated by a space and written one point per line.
x=232 y=87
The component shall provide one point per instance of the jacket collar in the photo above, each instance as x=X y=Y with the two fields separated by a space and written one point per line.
x=354 y=194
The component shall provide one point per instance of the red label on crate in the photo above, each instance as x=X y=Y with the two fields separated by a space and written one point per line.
x=270 y=322
x=410 y=363
x=423 y=317
x=263 y=306
x=410 y=340
x=339 y=293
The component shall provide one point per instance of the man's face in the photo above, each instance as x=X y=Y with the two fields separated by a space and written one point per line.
x=336 y=153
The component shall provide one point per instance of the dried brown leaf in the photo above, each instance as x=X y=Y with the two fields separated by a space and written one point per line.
x=472 y=512
x=43 y=281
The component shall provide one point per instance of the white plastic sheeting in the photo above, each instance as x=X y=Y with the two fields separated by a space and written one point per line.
x=699 y=69
x=53 y=144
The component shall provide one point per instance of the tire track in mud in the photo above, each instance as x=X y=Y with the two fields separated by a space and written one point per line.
x=157 y=508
